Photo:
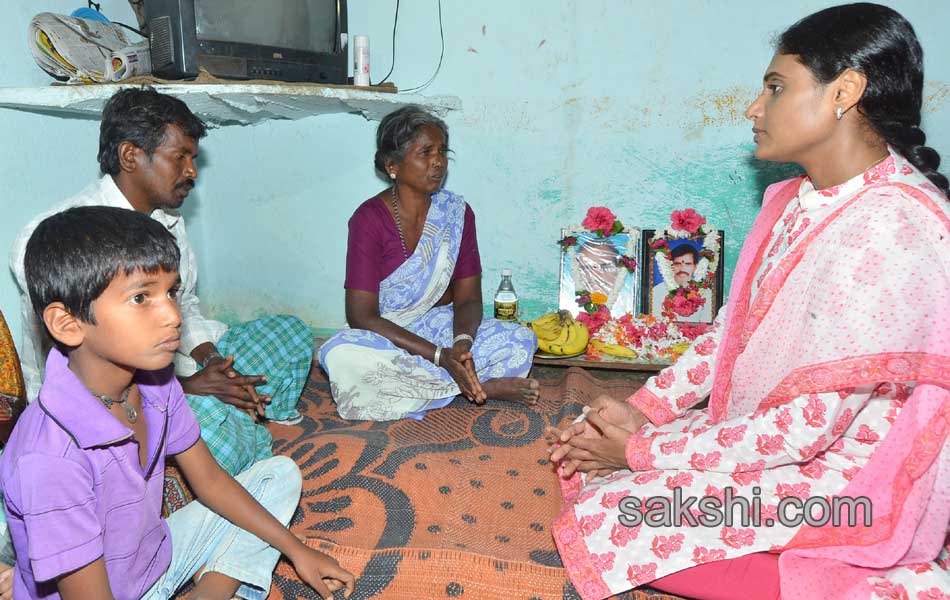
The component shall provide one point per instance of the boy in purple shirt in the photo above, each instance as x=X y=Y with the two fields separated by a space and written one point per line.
x=83 y=471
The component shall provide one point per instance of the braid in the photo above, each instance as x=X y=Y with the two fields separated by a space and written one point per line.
x=909 y=141
x=877 y=41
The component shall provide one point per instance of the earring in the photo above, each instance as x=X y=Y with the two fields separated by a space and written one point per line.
x=393 y=175
x=838 y=112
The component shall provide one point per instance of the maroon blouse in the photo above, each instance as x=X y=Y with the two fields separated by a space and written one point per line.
x=373 y=249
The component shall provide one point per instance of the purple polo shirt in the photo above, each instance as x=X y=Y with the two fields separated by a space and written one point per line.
x=74 y=489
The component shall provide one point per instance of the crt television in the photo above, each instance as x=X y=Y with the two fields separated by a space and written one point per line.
x=284 y=40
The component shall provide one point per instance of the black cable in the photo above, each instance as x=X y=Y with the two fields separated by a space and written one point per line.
x=393 y=64
x=130 y=28
x=98 y=8
x=419 y=88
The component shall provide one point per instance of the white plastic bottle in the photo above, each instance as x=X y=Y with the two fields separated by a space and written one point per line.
x=506 y=299
x=361 y=60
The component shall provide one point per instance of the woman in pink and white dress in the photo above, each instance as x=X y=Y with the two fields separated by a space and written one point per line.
x=828 y=373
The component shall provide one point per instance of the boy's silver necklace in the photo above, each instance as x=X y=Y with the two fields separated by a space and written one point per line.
x=130 y=413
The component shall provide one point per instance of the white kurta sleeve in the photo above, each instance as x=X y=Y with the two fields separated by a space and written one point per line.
x=671 y=392
x=788 y=434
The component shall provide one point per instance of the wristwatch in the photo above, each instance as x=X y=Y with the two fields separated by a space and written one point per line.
x=211 y=355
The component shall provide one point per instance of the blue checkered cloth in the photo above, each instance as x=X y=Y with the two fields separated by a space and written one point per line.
x=280 y=347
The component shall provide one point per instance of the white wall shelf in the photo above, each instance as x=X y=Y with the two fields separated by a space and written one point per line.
x=230 y=103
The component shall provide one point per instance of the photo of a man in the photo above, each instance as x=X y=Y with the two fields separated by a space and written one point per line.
x=597 y=263
x=594 y=264
x=682 y=262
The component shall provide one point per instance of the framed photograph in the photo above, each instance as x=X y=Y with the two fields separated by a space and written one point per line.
x=599 y=272
x=682 y=274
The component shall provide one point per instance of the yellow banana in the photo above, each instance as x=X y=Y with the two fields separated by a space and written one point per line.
x=547 y=345
x=547 y=327
x=547 y=333
x=549 y=320
x=573 y=342
x=613 y=349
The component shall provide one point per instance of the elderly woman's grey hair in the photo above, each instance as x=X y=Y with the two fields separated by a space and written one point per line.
x=397 y=131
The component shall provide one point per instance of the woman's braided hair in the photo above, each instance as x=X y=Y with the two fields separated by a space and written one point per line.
x=878 y=42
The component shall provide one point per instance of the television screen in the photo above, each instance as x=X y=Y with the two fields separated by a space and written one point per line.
x=283 y=40
x=304 y=25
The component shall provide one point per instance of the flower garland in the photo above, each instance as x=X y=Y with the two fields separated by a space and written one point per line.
x=684 y=301
x=602 y=222
x=652 y=338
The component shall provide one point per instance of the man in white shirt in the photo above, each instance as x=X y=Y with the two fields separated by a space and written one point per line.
x=233 y=377
x=684 y=259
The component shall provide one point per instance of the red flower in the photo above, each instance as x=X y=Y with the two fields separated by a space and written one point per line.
x=814 y=412
x=814 y=448
x=567 y=241
x=600 y=220
x=594 y=321
x=691 y=331
x=687 y=220
x=684 y=301
x=629 y=263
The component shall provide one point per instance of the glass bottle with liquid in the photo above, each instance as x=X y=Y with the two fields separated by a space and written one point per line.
x=506 y=299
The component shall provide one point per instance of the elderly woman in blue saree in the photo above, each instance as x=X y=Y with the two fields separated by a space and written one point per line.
x=413 y=293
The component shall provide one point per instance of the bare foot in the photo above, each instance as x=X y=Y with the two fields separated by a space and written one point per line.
x=513 y=389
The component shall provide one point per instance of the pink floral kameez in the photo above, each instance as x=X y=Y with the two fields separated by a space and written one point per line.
x=839 y=320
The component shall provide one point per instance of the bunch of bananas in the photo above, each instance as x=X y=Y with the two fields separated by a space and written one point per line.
x=558 y=333
x=613 y=349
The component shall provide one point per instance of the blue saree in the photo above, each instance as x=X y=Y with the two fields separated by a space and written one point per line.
x=373 y=379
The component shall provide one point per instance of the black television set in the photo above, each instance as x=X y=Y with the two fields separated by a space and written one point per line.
x=283 y=40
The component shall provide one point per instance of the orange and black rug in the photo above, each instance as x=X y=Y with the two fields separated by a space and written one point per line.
x=458 y=505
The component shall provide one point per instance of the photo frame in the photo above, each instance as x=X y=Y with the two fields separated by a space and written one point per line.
x=672 y=255
x=607 y=265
